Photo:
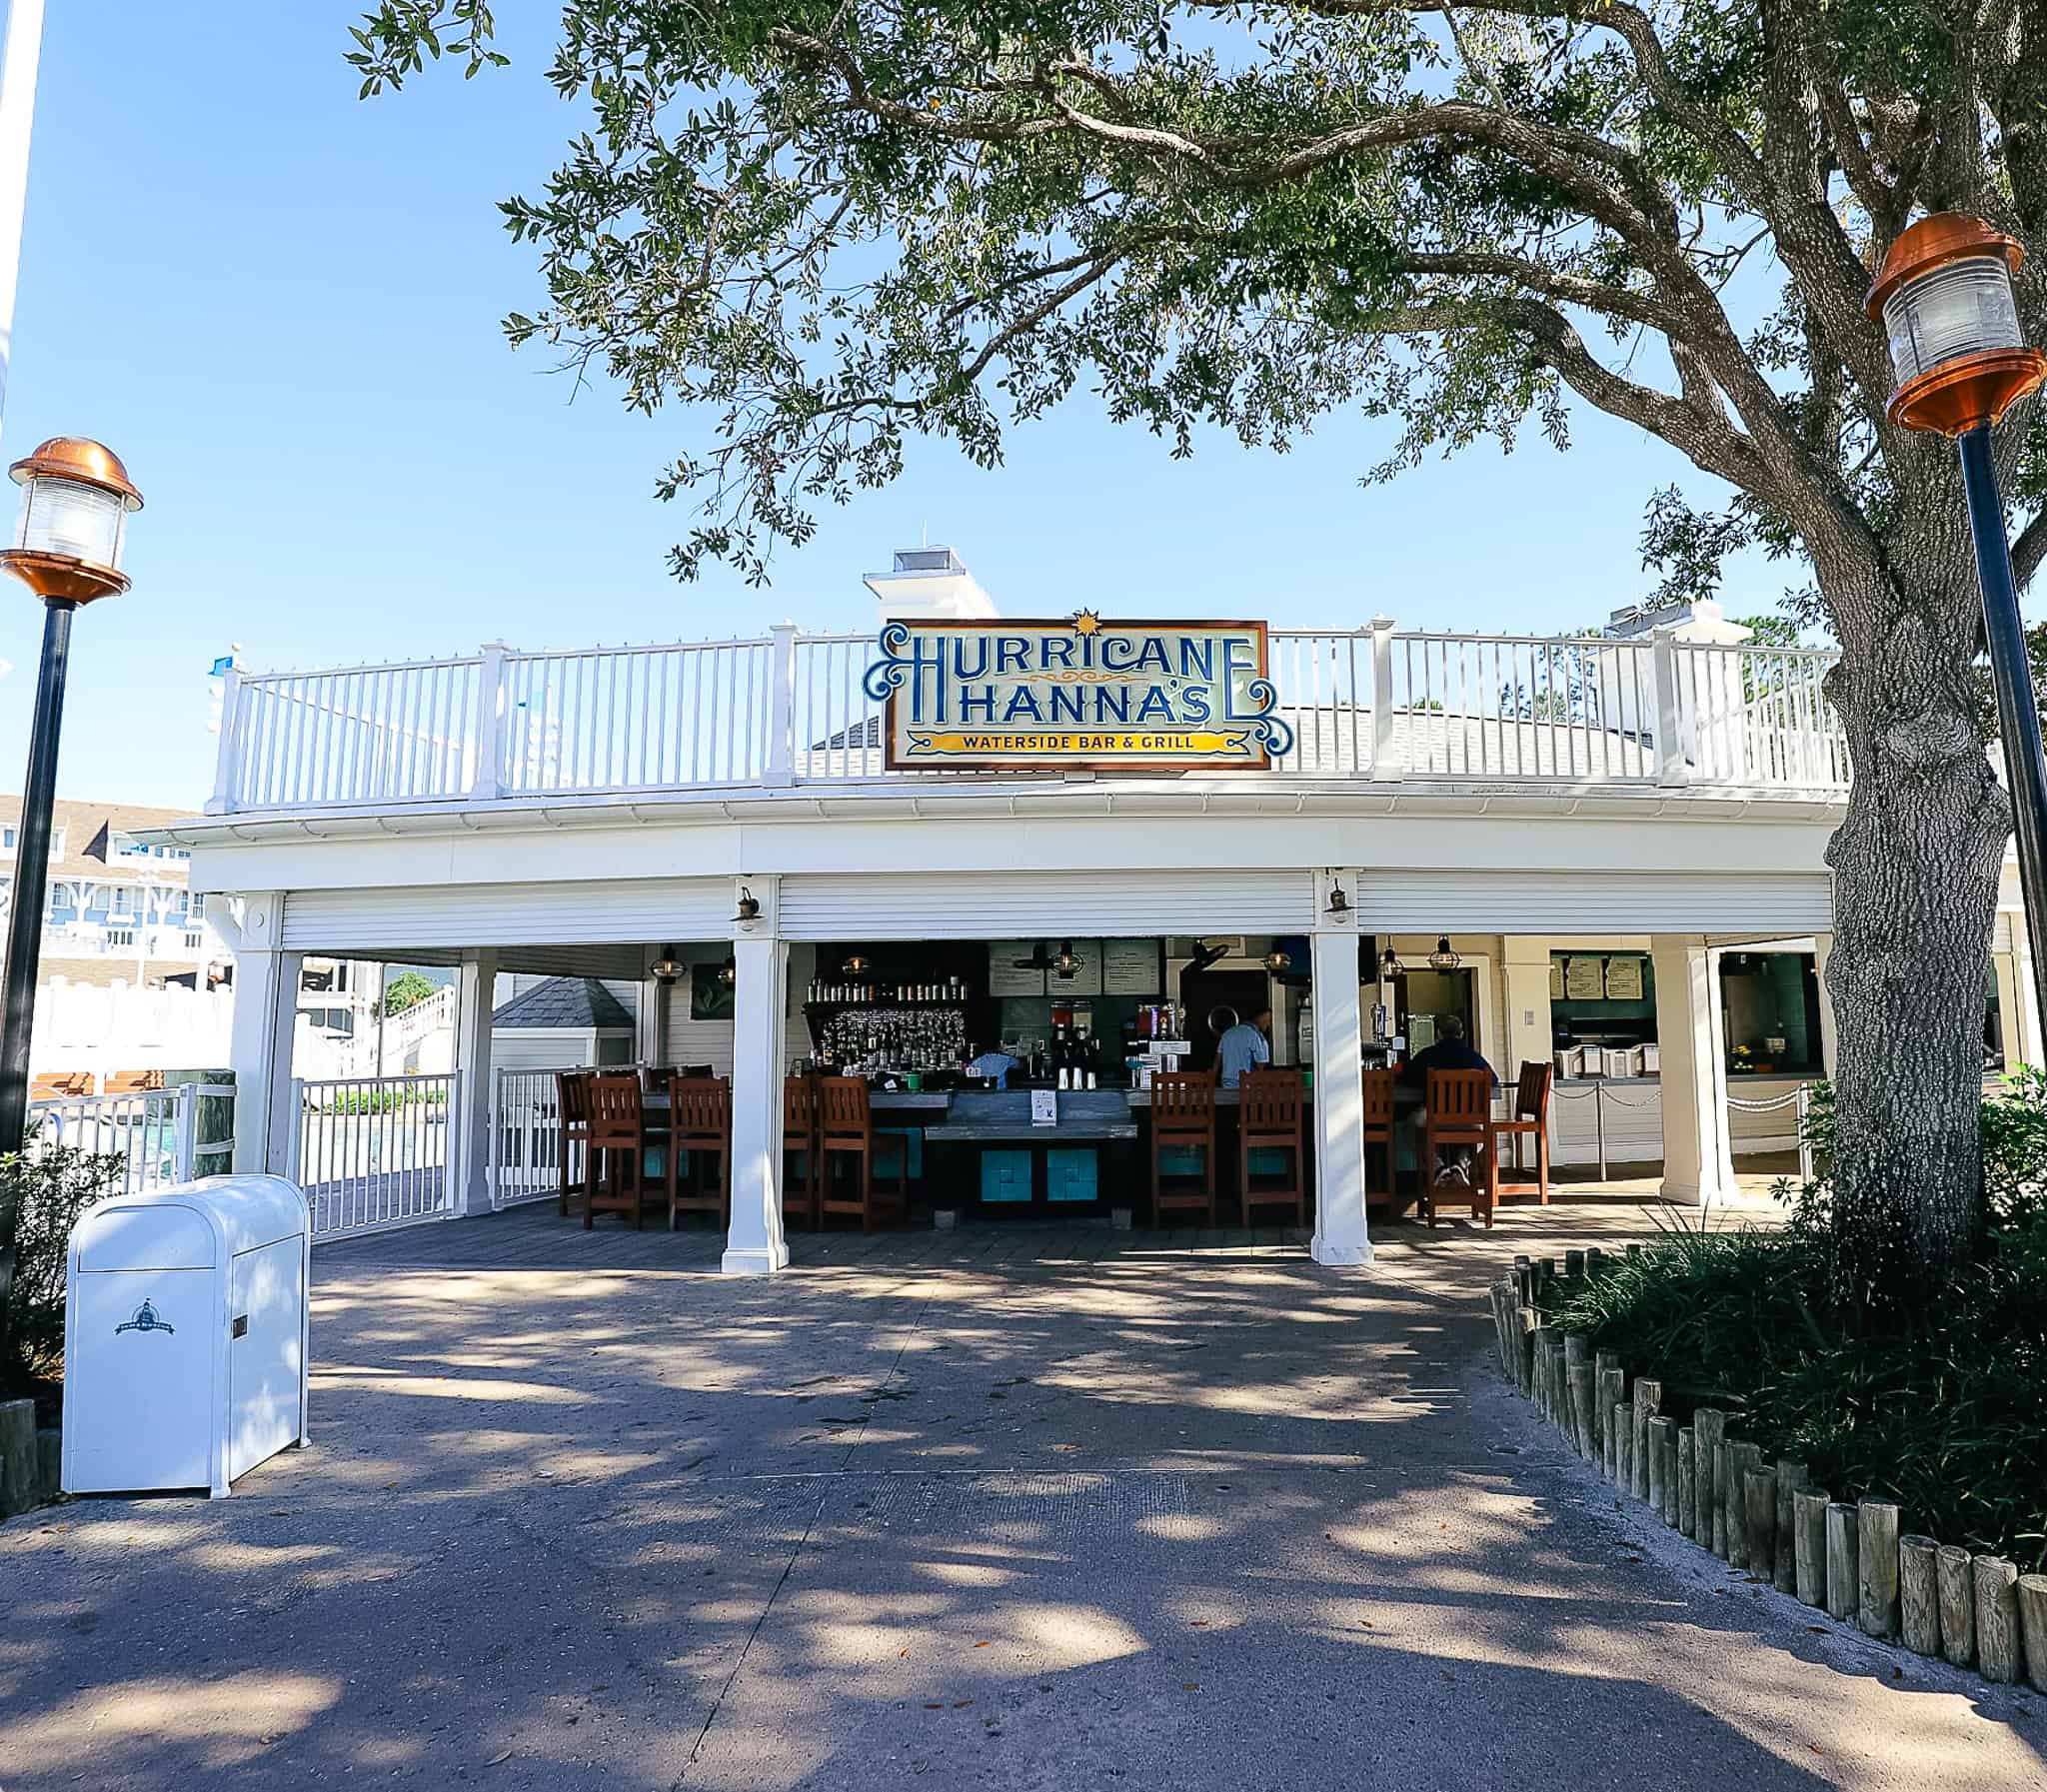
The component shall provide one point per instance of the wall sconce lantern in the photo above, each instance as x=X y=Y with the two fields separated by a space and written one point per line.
x=1339 y=903
x=750 y=906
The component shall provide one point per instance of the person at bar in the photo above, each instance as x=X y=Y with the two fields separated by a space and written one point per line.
x=1243 y=1047
x=1451 y=1051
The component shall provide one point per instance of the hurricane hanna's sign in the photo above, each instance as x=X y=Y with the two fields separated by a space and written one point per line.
x=1081 y=692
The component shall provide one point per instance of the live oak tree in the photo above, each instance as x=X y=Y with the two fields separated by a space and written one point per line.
x=832 y=225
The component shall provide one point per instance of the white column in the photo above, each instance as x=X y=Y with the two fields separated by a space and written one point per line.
x=754 y=1245
x=265 y=1019
x=1524 y=959
x=1696 y=1164
x=2024 y=1026
x=1339 y=1235
x=469 y=1128
x=1822 y=951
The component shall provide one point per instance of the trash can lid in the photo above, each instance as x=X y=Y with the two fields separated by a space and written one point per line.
x=200 y=1223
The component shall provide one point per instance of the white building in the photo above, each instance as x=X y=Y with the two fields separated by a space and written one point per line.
x=1592 y=829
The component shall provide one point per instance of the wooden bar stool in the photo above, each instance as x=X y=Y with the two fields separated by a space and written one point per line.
x=1183 y=1119
x=1530 y=1120
x=1271 y=1108
x=572 y=1143
x=1459 y=1113
x=700 y=1124
x=619 y=1140
x=846 y=1134
x=801 y=1189
x=1377 y=1096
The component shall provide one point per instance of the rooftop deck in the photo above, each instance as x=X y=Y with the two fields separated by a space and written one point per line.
x=789 y=711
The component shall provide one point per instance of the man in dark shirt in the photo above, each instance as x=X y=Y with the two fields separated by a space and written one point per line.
x=1451 y=1051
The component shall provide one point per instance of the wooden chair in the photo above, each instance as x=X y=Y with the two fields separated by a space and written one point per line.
x=618 y=1140
x=1271 y=1108
x=1378 y=1092
x=55 y=1085
x=132 y=1083
x=1183 y=1119
x=1530 y=1120
x=801 y=1190
x=571 y=1109
x=846 y=1134
x=1460 y=1108
x=700 y=1124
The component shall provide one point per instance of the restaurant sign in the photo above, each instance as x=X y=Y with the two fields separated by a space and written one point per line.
x=1081 y=692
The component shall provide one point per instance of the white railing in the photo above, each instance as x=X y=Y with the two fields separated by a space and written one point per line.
x=372 y=1151
x=525 y=1139
x=790 y=709
x=157 y=1133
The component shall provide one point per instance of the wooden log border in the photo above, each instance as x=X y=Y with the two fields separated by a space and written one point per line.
x=1853 y=1561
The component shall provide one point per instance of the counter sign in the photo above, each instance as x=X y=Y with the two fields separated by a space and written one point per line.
x=1081 y=692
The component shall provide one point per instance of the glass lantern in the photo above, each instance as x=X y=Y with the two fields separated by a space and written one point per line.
x=1961 y=308
x=68 y=517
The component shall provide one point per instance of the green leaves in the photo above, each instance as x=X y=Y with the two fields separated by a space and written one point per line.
x=821 y=228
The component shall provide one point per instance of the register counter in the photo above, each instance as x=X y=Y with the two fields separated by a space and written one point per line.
x=1631 y=1111
x=1020 y=1164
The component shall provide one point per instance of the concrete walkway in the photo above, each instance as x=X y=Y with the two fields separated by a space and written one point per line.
x=1012 y=1507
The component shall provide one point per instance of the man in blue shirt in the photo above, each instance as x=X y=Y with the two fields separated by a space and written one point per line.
x=1243 y=1047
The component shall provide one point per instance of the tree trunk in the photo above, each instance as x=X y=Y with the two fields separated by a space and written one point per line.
x=1915 y=892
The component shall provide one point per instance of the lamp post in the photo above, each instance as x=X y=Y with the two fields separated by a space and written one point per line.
x=1945 y=298
x=75 y=500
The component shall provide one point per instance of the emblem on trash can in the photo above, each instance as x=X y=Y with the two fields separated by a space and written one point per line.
x=145 y=1321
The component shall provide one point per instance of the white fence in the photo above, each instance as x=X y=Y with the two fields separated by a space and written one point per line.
x=162 y=1136
x=372 y=1151
x=791 y=709
x=525 y=1139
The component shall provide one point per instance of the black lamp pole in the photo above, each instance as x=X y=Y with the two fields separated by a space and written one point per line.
x=31 y=872
x=2011 y=673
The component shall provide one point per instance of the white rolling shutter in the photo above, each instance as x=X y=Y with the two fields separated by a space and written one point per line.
x=1020 y=904
x=635 y=911
x=1512 y=902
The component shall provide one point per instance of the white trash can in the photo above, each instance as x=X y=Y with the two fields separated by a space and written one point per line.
x=185 y=1336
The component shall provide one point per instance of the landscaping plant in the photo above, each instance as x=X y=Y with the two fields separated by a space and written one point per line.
x=49 y=1186
x=1943 y=1408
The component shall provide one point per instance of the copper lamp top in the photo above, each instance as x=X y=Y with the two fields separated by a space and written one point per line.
x=1933 y=242
x=79 y=458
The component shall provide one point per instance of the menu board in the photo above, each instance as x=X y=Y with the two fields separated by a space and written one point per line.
x=1005 y=976
x=1087 y=977
x=1623 y=980
x=1557 y=979
x=1584 y=980
x=1130 y=968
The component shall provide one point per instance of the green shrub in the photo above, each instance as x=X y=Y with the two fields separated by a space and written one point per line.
x=1946 y=1415
x=53 y=1185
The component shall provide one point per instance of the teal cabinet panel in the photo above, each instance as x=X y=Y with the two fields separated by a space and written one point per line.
x=1070 y=1175
x=892 y=1143
x=1005 y=1175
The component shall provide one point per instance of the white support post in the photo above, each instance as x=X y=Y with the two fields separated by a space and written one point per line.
x=469 y=1128
x=1385 y=758
x=782 y=705
x=1697 y=1165
x=265 y=1024
x=754 y=1245
x=488 y=784
x=1674 y=762
x=1339 y=1236
x=183 y=1131
x=2023 y=1028
x=17 y=123
x=226 y=767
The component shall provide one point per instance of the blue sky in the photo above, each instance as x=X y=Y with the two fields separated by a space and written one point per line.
x=281 y=307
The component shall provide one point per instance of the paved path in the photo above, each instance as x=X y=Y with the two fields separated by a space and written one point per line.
x=1009 y=1508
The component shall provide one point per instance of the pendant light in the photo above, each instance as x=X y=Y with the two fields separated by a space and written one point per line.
x=1443 y=959
x=1066 y=964
x=856 y=965
x=1390 y=966
x=666 y=967
x=729 y=972
x=1277 y=963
